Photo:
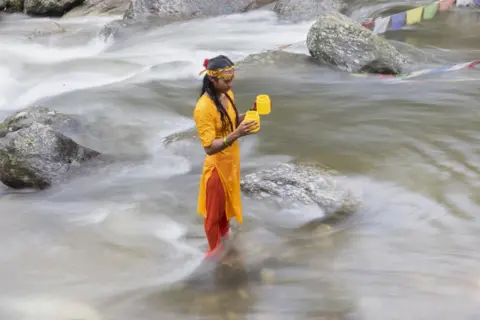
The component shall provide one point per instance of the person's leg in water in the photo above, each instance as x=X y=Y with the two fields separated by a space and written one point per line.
x=216 y=222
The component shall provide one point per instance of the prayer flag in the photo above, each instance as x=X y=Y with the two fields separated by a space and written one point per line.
x=445 y=5
x=430 y=11
x=381 y=25
x=414 y=15
x=464 y=3
x=398 y=20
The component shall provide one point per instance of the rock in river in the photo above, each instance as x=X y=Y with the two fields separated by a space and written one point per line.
x=298 y=10
x=33 y=151
x=182 y=9
x=301 y=183
x=52 y=8
x=338 y=40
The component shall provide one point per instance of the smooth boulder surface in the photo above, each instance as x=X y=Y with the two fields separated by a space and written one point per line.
x=277 y=58
x=33 y=151
x=99 y=8
x=300 y=183
x=185 y=9
x=339 y=41
x=304 y=10
x=52 y=8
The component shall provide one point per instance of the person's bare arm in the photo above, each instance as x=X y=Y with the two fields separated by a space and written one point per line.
x=243 y=129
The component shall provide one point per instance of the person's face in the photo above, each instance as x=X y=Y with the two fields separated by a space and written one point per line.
x=223 y=85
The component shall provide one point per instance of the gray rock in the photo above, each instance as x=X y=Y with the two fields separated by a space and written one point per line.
x=14 y=5
x=25 y=118
x=338 y=40
x=99 y=7
x=298 y=10
x=3 y=4
x=53 y=8
x=48 y=29
x=33 y=154
x=300 y=183
x=186 y=9
x=276 y=58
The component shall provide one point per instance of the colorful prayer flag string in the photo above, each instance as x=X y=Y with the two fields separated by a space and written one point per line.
x=399 y=20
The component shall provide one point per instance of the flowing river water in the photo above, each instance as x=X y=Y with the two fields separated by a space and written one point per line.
x=120 y=243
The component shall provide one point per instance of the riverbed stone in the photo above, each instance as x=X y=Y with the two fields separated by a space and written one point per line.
x=33 y=151
x=340 y=41
x=13 y=5
x=301 y=183
x=51 y=8
x=99 y=8
x=300 y=10
x=186 y=9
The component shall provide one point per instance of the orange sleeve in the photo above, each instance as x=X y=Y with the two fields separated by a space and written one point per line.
x=205 y=122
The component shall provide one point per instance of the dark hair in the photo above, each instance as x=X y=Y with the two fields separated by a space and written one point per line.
x=219 y=62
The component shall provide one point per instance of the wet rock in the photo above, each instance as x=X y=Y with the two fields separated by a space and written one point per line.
x=190 y=9
x=14 y=5
x=276 y=58
x=301 y=183
x=33 y=151
x=99 y=7
x=42 y=115
x=52 y=8
x=338 y=40
x=140 y=13
x=298 y=10
x=47 y=30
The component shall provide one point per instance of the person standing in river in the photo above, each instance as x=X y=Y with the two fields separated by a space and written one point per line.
x=219 y=126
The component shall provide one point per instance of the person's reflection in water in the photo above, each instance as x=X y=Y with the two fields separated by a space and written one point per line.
x=230 y=270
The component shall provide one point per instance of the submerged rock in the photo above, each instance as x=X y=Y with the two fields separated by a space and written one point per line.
x=46 y=30
x=338 y=40
x=300 y=183
x=33 y=151
x=298 y=10
x=275 y=58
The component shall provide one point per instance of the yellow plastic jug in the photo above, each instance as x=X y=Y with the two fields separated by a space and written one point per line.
x=264 y=105
x=253 y=115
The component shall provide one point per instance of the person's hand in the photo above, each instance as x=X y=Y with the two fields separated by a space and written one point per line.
x=254 y=108
x=246 y=127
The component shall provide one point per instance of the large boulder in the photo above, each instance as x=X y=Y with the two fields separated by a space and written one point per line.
x=338 y=40
x=46 y=116
x=33 y=151
x=298 y=10
x=52 y=8
x=291 y=183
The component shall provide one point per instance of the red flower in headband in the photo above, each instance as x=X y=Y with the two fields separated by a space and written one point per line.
x=205 y=62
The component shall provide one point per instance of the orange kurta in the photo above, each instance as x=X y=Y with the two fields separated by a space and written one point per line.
x=227 y=161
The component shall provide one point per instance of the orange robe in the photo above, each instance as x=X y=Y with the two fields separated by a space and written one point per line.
x=227 y=161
